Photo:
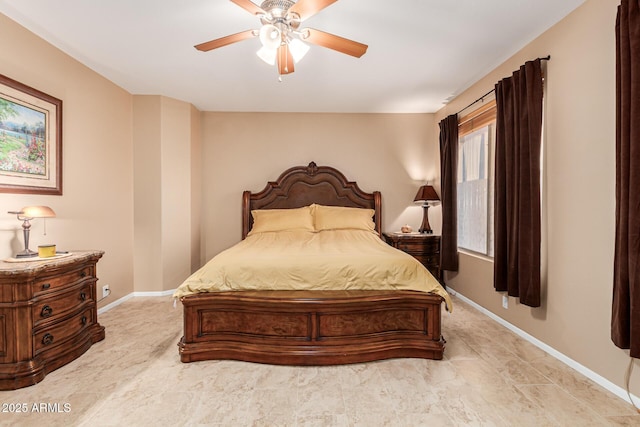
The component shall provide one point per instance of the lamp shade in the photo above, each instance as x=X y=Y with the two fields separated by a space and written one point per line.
x=270 y=36
x=37 y=212
x=267 y=55
x=426 y=193
x=298 y=49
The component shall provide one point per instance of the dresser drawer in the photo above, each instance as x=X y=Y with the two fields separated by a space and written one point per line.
x=49 y=309
x=49 y=284
x=60 y=332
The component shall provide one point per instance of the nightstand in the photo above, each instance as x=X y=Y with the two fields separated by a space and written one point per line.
x=424 y=247
x=48 y=315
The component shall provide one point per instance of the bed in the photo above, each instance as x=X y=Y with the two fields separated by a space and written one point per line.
x=261 y=321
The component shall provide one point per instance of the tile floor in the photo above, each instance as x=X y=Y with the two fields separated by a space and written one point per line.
x=135 y=378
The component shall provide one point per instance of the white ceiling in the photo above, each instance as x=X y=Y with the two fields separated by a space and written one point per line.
x=421 y=52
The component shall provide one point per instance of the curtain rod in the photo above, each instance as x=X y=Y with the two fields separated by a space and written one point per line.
x=546 y=58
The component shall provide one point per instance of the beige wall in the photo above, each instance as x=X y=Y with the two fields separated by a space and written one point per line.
x=147 y=134
x=176 y=192
x=242 y=151
x=96 y=208
x=579 y=194
x=196 y=190
x=167 y=142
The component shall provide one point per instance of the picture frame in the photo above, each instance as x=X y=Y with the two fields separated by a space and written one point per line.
x=30 y=140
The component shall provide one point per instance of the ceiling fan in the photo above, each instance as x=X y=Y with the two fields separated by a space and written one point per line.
x=281 y=36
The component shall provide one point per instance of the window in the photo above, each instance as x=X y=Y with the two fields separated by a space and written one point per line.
x=476 y=143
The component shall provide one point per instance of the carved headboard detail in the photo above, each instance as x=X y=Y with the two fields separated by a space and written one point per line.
x=303 y=185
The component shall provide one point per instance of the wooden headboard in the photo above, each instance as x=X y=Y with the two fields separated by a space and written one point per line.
x=303 y=185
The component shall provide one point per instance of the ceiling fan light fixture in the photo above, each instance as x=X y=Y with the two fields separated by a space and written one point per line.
x=270 y=36
x=267 y=55
x=283 y=42
x=276 y=8
x=298 y=49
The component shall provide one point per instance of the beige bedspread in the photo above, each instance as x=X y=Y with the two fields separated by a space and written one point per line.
x=303 y=260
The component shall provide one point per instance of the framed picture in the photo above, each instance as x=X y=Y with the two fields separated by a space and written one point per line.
x=30 y=140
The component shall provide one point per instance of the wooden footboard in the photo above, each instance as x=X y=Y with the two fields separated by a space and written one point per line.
x=311 y=327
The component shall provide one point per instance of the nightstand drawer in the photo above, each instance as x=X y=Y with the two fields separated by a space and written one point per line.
x=419 y=248
x=423 y=247
x=62 y=331
x=411 y=247
x=49 y=309
x=53 y=283
x=429 y=260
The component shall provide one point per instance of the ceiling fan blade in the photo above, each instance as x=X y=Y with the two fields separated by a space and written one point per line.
x=223 y=41
x=307 y=8
x=285 y=60
x=249 y=6
x=334 y=42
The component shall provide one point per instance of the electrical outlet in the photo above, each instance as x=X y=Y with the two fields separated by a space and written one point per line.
x=105 y=291
x=505 y=301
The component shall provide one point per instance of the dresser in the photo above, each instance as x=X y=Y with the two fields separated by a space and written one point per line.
x=48 y=315
x=424 y=247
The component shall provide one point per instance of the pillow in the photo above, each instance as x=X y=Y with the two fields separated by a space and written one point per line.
x=340 y=218
x=265 y=220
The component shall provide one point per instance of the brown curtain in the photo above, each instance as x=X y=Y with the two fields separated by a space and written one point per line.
x=449 y=193
x=625 y=318
x=517 y=184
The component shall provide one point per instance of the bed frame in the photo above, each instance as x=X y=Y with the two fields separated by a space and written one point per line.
x=311 y=327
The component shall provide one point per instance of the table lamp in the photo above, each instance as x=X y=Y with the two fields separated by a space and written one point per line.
x=426 y=194
x=25 y=215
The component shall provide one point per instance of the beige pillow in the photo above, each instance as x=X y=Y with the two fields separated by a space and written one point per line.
x=265 y=220
x=341 y=218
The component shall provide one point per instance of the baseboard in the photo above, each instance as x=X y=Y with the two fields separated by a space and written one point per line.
x=132 y=295
x=154 y=294
x=598 y=379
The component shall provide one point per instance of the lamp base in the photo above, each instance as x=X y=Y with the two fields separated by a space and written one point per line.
x=27 y=253
x=425 y=228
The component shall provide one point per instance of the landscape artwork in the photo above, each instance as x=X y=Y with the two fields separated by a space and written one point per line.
x=30 y=140
x=22 y=139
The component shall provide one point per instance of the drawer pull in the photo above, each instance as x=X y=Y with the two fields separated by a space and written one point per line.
x=46 y=285
x=84 y=320
x=83 y=296
x=83 y=273
x=46 y=311
x=47 y=339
